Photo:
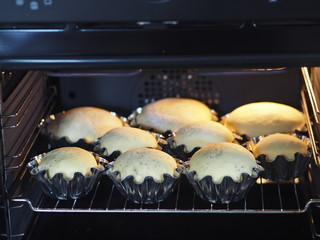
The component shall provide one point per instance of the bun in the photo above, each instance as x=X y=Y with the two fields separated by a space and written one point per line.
x=68 y=160
x=172 y=113
x=126 y=138
x=219 y=160
x=144 y=162
x=263 y=118
x=88 y=123
x=280 y=144
x=200 y=134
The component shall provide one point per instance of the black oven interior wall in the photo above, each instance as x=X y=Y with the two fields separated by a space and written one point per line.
x=221 y=89
x=124 y=91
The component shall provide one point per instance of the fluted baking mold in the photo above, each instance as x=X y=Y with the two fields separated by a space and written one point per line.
x=61 y=188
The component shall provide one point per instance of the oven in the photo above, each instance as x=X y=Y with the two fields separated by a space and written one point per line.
x=121 y=55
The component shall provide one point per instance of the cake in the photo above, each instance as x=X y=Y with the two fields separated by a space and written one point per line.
x=68 y=160
x=280 y=144
x=144 y=162
x=284 y=157
x=202 y=133
x=219 y=160
x=172 y=113
x=263 y=118
x=88 y=123
x=126 y=138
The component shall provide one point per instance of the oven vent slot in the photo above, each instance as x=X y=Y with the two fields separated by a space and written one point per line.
x=177 y=83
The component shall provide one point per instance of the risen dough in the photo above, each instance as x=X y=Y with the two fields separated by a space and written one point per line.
x=88 y=123
x=263 y=118
x=143 y=162
x=172 y=114
x=126 y=138
x=280 y=144
x=68 y=160
x=222 y=159
x=199 y=134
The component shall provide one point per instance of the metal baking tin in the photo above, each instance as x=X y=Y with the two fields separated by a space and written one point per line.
x=63 y=189
x=179 y=151
x=281 y=169
x=63 y=142
x=162 y=143
x=225 y=192
x=149 y=191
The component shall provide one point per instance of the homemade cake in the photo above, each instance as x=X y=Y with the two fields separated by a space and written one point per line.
x=144 y=162
x=88 y=123
x=126 y=138
x=280 y=144
x=263 y=118
x=172 y=113
x=202 y=133
x=68 y=160
x=219 y=160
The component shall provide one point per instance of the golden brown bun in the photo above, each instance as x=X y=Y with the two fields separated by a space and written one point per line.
x=126 y=138
x=88 y=123
x=143 y=162
x=263 y=118
x=200 y=134
x=280 y=144
x=68 y=160
x=172 y=114
x=222 y=159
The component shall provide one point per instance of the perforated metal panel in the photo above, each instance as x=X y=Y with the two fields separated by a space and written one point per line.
x=176 y=83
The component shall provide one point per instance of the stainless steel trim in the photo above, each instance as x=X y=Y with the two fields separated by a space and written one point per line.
x=310 y=90
x=309 y=127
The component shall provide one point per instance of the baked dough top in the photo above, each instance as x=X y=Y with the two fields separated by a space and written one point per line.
x=222 y=159
x=68 y=160
x=88 y=123
x=172 y=113
x=280 y=144
x=144 y=162
x=126 y=138
x=263 y=118
x=202 y=133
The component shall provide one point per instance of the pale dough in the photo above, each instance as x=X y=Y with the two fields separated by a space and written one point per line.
x=222 y=159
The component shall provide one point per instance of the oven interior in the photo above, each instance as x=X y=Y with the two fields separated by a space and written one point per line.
x=270 y=209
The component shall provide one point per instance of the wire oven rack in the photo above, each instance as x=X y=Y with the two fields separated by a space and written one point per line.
x=297 y=196
x=265 y=197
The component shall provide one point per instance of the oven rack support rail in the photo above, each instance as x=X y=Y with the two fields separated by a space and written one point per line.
x=21 y=112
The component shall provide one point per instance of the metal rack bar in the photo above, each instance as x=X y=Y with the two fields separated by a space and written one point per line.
x=31 y=139
x=26 y=105
x=296 y=195
x=311 y=93
x=276 y=203
x=28 y=85
x=314 y=232
x=309 y=127
x=279 y=195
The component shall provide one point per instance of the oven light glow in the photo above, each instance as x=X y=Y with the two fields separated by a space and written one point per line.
x=261 y=180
